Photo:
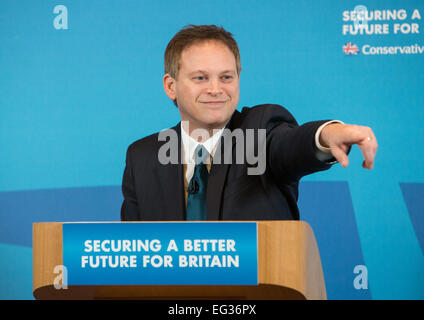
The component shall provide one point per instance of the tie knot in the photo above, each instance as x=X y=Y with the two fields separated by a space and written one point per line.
x=201 y=154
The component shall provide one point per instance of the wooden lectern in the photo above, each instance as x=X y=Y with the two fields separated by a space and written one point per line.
x=289 y=267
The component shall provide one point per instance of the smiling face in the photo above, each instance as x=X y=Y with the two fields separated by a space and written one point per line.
x=207 y=85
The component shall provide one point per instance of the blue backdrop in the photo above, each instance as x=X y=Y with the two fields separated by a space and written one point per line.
x=79 y=83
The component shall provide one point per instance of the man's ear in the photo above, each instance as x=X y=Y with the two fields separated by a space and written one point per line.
x=169 y=84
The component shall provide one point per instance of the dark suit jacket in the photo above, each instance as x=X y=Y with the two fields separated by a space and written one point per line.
x=153 y=191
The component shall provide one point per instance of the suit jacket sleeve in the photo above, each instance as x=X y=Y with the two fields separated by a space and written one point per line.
x=291 y=149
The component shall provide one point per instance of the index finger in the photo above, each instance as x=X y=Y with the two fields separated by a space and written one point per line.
x=369 y=149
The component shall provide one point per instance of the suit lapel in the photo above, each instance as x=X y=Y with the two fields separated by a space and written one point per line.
x=171 y=178
x=218 y=174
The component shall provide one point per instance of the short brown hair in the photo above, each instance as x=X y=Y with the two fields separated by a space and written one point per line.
x=192 y=34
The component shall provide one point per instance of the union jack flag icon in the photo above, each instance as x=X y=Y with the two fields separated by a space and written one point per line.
x=350 y=48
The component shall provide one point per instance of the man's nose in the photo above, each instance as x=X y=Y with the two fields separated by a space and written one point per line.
x=214 y=87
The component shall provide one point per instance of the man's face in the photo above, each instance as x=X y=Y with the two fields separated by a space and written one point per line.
x=207 y=89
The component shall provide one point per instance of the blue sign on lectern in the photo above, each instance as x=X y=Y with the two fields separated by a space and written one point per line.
x=161 y=253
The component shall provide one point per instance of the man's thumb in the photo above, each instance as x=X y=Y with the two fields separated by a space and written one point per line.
x=340 y=155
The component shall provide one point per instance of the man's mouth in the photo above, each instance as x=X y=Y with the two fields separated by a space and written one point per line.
x=213 y=102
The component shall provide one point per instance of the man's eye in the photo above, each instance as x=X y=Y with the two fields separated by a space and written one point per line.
x=227 y=77
x=200 y=78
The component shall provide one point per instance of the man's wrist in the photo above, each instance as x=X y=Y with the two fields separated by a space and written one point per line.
x=324 y=153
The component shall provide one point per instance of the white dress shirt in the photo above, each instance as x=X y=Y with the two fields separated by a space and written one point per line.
x=189 y=145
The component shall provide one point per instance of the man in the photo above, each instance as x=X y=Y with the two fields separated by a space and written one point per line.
x=202 y=74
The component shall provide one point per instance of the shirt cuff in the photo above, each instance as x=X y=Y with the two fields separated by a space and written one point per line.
x=324 y=153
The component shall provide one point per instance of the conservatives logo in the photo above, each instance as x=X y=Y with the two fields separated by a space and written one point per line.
x=367 y=49
x=350 y=48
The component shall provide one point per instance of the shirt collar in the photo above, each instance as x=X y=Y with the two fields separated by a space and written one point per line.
x=189 y=145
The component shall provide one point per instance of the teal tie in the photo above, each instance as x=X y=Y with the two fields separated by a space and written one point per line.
x=196 y=199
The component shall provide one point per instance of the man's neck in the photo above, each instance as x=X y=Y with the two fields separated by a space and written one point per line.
x=200 y=134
